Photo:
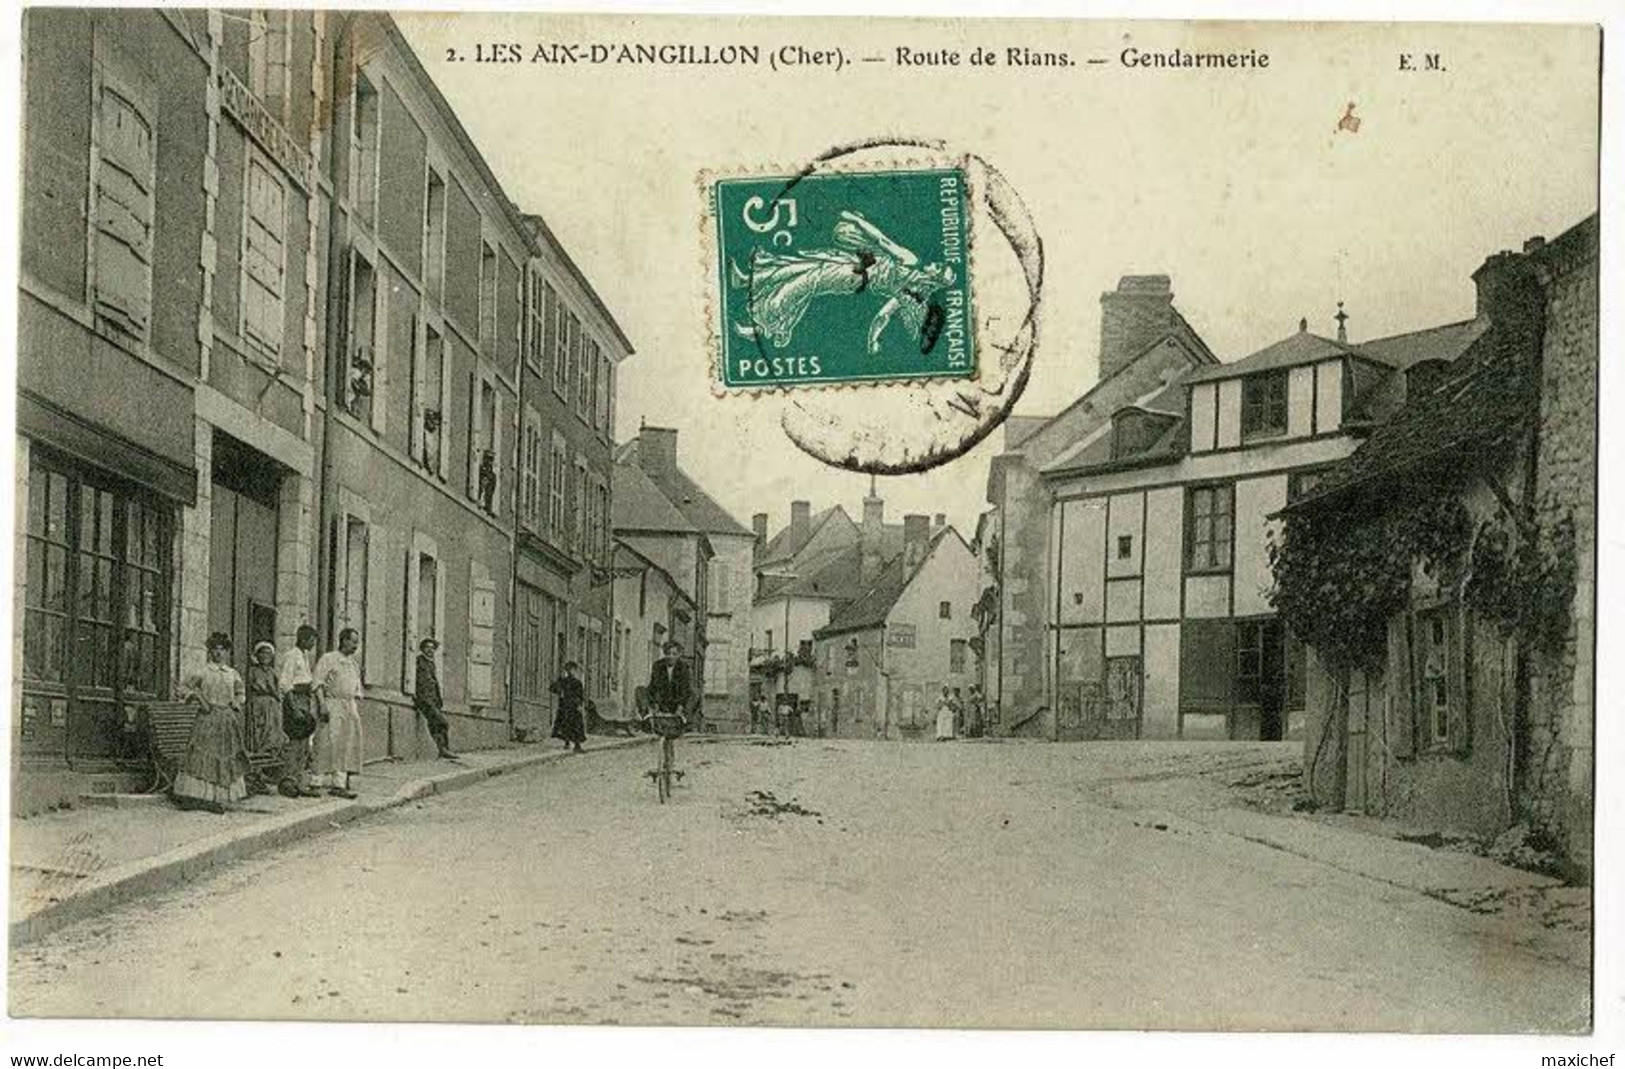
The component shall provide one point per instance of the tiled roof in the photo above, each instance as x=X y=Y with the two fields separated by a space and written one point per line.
x=1483 y=401
x=1436 y=343
x=785 y=544
x=694 y=503
x=838 y=578
x=1300 y=348
x=873 y=605
x=638 y=505
x=1096 y=450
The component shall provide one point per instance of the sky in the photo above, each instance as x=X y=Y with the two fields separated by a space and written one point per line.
x=1236 y=184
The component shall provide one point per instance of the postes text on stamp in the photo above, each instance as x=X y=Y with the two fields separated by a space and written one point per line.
x=844 y=278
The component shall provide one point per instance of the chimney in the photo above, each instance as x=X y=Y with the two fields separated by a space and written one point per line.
x=1137 y=313
x=871 y=536
x=916 y=537
x=657 y=451
x=1498 y=280
x=938 y=522
x=758 y=526
x=800 y=521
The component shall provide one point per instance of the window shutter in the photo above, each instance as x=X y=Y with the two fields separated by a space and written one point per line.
x=380 y=348
x=410 y=626
x=1461 y=667
x=415 y=437
x=473 y=436
x=375 y=655
x=1401 y=687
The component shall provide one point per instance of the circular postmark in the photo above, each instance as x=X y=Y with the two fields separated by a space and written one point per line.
x=939 y=336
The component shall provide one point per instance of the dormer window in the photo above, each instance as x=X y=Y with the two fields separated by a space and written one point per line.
x=1263 y=405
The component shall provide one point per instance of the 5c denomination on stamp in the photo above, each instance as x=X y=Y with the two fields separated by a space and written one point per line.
x=844 y=278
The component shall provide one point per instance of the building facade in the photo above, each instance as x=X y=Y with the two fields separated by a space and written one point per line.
x=883 y=659
x=1471 y=717
x=1161 y=529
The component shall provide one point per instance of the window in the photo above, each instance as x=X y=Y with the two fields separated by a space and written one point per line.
x=425 y=609
x=488 y=298
x=956 y=656
x=1300 y=484
x=606 y=529
x=1210 y=528
x=945 y=610
x=1433 y=670
x=364 y=149
x=268 y=60
x=578 y=509
x=1125 y=547
x=1249 y=662
x=531 y=488
x=578 y=358
x=1263 y=405
x=96 y=608
x=362 y=369
x=434 y=235
x=122 y=211
x=351 y=599
x=600 y=418
x=559 y=353
x=720 y=596
x=264 y=257
x=587 y=393
x=556 y=488
x=483 y=467
x=429 y=404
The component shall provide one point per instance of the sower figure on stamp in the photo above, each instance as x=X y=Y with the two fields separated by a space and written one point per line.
x=298 y=715
x=568 y=724
x=426 y=698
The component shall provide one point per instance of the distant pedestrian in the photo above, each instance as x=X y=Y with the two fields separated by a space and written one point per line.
x=568 y=723
x=262 y=724
x=337 y=682
x=975 y=713
x=298 y=714
x=426 y=698
x=215 y=766
x=946 y=712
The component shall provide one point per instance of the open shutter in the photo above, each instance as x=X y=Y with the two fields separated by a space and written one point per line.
x=409 y=621
x=473 y=435
x=415 y=436
x=1461 y=667
x=346 y=344
x=1401 y=685
x=375 y=654
x=481 y=631
x=380 y=348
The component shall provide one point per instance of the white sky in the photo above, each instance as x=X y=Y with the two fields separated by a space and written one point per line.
x=1232 y=183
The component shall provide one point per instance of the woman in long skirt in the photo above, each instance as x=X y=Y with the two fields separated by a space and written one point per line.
x=945 y=716
x=263 y=727
x=337 y=681
x=568 y=725
x=213 y=770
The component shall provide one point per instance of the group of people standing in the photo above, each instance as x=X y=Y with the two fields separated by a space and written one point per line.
x=957 y=718
x=308 y=710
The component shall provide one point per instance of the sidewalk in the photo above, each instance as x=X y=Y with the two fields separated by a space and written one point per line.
x=74 y=863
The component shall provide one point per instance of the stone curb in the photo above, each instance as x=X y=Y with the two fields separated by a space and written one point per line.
x=149 y=875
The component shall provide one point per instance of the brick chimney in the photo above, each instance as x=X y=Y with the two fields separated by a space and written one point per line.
x=758 y=526
x=916 y=539
x=800 y=521
x=1138 y=312
x=657 y=451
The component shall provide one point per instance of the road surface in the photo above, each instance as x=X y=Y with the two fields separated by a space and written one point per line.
x=822 y=883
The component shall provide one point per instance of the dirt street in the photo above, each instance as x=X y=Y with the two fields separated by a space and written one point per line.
x=830 y=884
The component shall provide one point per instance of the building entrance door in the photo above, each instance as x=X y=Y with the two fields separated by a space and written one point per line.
x=242 y=546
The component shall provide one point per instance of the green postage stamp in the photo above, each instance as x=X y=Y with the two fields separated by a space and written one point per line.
x=844 y=278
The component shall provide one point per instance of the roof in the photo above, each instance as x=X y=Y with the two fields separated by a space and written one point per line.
x=1095 y=450
x=870 y=608
x=1435 y=343
x=636 y=503
x=838 y=578
x=700 y=509
x=647 y=563
x=786 y=544
x=535 y=220
x=1395 y=351
x=1485 y=400
x=1300 y=348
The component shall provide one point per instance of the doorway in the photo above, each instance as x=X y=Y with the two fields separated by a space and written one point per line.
x=247 y=486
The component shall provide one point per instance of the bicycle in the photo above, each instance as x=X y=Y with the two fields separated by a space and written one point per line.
x=668 y=726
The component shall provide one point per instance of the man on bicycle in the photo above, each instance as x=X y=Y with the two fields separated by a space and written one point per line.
x=671 y=690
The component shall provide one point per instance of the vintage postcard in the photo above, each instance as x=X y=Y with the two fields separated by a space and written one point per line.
x=820 y=522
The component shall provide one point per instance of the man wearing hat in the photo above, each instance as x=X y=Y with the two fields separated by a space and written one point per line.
x=426 y=696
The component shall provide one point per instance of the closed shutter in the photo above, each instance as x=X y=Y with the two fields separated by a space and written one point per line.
x=1461 y=667
x=409 y=619
x=481 y=631
x=375 y=651
x=473 y=435
x=1401 y=684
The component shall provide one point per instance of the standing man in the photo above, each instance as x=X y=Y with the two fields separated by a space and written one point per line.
x=298 y=714
x=670 y=689
x=568 y=725
x=426 y=698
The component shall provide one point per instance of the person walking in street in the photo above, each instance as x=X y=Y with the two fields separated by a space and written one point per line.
x=262 y=727
x=426 y=697
x=568 y=725
x=670 y=689
x=337 y=683
x=975 y=713
x=215 y=767
x=298 y=715
x=945 y=716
